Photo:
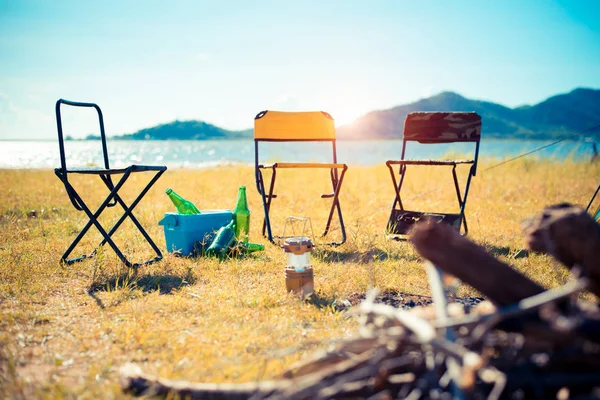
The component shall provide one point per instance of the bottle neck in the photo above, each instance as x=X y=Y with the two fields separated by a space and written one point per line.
x=173 y=195
x=241 y=200
x=176 y=198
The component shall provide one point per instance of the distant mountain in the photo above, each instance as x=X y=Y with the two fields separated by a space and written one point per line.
x=187 y=130
x=557 y=116
x=574 y=111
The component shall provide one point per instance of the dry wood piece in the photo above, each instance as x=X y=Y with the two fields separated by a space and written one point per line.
x=553 y=353
x=458 y=256
x=134 y=381
x=569 y=234
x=398 y=355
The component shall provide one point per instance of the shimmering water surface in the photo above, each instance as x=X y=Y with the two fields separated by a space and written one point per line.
x=199 y=154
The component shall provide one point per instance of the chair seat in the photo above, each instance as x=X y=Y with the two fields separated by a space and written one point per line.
x=402 y=221
x=301 y=165
x=113 y=171
x=429 y=162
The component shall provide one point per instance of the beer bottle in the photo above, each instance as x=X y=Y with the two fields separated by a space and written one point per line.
x=222 y=241
x=183 y=206
x=241 y=216
x=240 y=248
x=250 y=247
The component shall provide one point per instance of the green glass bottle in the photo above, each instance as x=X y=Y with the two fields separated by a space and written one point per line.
x=183 y=206
x=240 y=248
x=223 y=240
x=241 y=216
x=250 y=247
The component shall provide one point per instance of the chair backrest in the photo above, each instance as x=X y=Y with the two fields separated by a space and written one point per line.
x=61 y=141
x=294 y=126
x=442 y=127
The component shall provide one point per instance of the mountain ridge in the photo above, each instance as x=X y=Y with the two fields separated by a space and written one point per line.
x=556 y=117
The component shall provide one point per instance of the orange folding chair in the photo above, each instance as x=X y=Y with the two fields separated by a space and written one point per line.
x=279 y=126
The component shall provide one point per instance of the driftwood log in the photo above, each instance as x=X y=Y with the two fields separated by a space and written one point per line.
x=134 y=381
x=409 y=354
x=458 y=256
x=569 y=234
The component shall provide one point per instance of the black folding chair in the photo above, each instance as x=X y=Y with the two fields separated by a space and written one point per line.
x=434 y=128
x=113 y=197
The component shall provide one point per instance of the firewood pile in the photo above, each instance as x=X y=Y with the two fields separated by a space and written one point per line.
x=522 y=342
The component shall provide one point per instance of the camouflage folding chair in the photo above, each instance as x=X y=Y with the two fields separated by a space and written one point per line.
x=434 y=128
x=279 y=126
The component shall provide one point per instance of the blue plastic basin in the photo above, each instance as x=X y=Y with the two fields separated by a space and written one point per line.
x=188 y=234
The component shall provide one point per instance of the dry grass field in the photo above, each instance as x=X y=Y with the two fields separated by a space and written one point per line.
x=66 y=330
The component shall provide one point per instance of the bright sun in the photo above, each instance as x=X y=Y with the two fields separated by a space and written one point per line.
x=343 y=117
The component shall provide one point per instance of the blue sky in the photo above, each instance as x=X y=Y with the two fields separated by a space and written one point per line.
x=150 y=62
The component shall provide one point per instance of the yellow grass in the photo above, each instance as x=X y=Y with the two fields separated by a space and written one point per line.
x=65 y=330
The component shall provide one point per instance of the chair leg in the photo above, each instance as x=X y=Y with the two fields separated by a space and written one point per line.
x=112 y=198
x=397 y=185
x=397 y=189
x=269 y=200
x=75 y=199
x=266 y=199
x=462 y=202
x=93 y=220
x=337 y=185
x=128 y=212
x=592 y=200
x=341 y=218
x=260 y=186
x=334 y=182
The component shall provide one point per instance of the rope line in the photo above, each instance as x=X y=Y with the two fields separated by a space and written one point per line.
x=543 y=147
x=511 y=159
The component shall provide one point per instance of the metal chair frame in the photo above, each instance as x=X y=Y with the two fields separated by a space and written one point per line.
x=268 y=195
x=401 y=220
x=111 y=200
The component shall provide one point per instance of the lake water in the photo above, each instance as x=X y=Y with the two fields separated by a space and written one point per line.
x=199 y=154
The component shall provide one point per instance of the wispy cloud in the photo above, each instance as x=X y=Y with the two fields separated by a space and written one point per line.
x=22 y=122
x=287 y=102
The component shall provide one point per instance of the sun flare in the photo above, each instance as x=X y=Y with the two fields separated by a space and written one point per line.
x=344 y=117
